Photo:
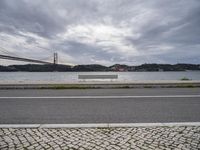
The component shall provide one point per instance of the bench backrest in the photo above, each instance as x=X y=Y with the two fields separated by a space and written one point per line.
x=98 y=76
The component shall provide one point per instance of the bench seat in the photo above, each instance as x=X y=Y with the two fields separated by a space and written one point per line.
x=112 y=76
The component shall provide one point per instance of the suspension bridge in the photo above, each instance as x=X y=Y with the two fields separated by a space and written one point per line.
x=11 y=56
x=55 y=60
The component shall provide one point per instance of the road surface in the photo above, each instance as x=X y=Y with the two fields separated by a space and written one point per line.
x=100 y=106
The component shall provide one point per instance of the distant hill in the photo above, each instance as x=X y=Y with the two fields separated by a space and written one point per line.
x=40 y=68
x=156 y=67
x=93 y=67
x=96 y=67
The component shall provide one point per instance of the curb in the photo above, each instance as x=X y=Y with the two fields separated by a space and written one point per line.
x=101 y=125
x=101 y=85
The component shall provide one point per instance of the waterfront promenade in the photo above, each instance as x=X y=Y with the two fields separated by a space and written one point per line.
x=135 y=138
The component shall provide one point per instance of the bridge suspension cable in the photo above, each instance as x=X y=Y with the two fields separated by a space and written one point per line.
x=6 y=52
x=23 y=59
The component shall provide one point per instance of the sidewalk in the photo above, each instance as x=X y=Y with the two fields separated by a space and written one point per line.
x=146 y=138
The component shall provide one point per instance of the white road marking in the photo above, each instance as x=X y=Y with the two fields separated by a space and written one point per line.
x=102 y=97
x=100 y=125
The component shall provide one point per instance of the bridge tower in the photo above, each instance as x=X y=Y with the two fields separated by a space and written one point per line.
x=55 y=58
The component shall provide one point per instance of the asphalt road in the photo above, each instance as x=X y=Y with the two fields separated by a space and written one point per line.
x=100 y=106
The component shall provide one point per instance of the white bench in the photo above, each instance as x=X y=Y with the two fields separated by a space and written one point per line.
x=98 y=77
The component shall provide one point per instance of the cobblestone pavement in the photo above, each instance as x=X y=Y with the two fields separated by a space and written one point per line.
x=101 y=138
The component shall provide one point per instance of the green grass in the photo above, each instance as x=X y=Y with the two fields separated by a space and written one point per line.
x=148 y=86
x=125 y=87
x=185 y=79
x=186 y=86
x=60 y=87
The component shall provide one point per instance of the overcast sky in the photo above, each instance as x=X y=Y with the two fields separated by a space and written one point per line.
x=102 y=31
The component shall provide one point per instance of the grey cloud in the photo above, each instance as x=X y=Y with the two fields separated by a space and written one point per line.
x=26 y=17
x=80 y=50
x=180 y=33
x=158 y=23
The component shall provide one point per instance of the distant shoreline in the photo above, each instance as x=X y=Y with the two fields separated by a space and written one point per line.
x=95 y=71
x=100 y=68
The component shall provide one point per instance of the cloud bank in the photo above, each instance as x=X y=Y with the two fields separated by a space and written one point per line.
x=102 y=31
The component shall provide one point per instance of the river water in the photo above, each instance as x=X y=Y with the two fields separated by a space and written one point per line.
x=64 y=77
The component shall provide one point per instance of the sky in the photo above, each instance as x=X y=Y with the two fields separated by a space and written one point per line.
x=102 y=32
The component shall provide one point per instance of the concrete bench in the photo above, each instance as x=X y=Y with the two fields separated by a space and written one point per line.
x=98 y=77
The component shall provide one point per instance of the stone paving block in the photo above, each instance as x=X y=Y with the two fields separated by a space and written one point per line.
x=101 y=138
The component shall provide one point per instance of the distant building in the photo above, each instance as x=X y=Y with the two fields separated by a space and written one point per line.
x=119 y=68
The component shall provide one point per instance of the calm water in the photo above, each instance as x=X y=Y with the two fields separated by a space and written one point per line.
x=73 y=76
